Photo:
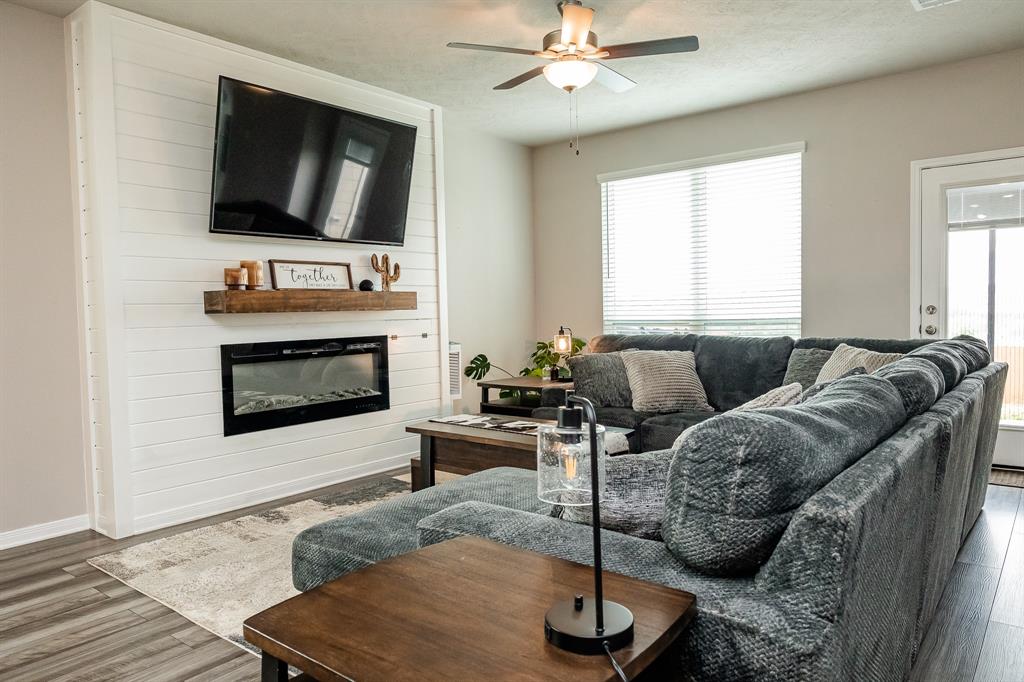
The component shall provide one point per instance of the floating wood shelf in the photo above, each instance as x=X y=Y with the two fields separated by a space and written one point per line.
x=305 y=301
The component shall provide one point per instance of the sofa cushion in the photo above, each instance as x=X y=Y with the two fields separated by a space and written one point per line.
x=948 y=358
x=664 y=381
x=660 y=432
x=601 y=378
x=612 y=342
x=331 y=549
x=634 y=495
x=918 y=381
x=844 y=358
x=804 y=366
x=974 y=352
x=787 y=394
x=735 y=369
x=736 y=480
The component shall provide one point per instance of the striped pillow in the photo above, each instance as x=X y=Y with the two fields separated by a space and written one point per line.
x=665 y=381
x=844 y=358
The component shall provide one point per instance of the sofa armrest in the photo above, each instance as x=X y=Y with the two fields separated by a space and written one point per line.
x=740 y=632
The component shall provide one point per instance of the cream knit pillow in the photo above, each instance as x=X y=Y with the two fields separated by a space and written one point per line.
x=665 y=381
x=845 y=358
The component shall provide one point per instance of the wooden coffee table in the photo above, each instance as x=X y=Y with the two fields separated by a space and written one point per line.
x=466 y=609
x=467 y=449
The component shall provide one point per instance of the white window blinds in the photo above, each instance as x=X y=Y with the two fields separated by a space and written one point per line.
x=710 y=249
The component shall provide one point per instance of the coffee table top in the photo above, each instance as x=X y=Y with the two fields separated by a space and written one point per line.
x=508 y=439
x=467 y=608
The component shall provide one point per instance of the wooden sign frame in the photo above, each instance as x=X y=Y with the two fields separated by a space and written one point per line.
x=342 y=272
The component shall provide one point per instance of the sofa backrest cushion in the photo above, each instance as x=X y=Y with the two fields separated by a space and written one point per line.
x=736 y=369
x=737 y=479
x=613 y=342
x=948 y=357
x=877 y=345
x=974 y=351
x=919 y=382
x=601 y=378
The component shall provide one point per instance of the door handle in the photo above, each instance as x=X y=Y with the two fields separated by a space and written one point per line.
x=931 y=330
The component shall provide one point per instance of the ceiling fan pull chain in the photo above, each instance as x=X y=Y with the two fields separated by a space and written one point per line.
x=576 y=112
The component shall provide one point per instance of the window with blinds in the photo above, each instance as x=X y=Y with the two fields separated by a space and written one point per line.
x=704 y=247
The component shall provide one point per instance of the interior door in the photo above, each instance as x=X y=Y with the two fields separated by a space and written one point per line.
x=972 y=272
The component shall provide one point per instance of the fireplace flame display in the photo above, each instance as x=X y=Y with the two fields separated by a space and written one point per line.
x=276 y=384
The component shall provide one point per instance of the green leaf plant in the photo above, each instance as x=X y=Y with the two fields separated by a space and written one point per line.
x=542 y=358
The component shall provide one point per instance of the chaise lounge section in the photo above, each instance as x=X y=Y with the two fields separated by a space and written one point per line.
x=846 y=535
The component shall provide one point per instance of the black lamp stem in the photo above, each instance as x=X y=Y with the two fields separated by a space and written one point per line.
x=595 y=505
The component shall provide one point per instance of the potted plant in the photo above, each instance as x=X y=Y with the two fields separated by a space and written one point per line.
x=541 y=360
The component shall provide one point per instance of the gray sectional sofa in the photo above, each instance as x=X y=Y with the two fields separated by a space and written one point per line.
x=819 y=554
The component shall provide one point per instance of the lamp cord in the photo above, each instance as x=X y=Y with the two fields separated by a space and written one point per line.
x=615 y=664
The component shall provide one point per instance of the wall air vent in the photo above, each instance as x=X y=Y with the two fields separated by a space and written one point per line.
x=922 y=5
x=455 y=370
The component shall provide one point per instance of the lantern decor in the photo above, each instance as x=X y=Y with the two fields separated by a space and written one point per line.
x=570 y=472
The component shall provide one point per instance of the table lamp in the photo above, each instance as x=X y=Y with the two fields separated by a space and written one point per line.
x=562 y=345
x=570 y=472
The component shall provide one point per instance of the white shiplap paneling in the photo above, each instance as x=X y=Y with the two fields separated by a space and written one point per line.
x=160 y=257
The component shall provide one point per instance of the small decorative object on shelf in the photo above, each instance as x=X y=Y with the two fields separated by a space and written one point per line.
x=254 y=270
x=366 y=285
x=309 y=274
x=384 y=268
x=236 y=278
x=570 y=472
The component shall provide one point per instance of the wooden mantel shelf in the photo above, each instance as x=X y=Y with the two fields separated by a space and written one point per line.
x=305 y=300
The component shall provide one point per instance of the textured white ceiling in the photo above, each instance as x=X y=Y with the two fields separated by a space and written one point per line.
x=750 y=49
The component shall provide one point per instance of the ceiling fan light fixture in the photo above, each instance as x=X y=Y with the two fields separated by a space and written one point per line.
x=570 y=74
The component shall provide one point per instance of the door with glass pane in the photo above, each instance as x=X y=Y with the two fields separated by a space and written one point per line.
x=972 y=272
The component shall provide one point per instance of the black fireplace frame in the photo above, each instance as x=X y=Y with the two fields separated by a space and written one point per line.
x=273 y=351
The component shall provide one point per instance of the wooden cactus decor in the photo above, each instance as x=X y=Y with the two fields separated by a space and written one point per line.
x=384 y=268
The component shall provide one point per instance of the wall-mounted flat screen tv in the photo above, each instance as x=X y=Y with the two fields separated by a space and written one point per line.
x=287 y=166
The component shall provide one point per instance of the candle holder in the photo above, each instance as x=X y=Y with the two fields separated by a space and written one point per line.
x=570 y=472
x=236 y=278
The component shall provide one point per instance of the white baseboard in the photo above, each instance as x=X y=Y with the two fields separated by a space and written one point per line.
x=221 y=505
x=43 y=531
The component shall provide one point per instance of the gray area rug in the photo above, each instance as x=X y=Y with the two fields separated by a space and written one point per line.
x=219 y=575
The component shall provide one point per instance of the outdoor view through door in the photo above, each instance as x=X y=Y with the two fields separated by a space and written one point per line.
x=707 y=247
x=985 y=277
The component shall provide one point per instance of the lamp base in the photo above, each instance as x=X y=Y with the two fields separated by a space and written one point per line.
x=573 y=630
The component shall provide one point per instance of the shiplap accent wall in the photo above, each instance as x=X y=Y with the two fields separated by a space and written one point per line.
x=145 y=113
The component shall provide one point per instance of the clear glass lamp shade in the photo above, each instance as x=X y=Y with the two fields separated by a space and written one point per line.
x=563 y=465
x=563 y=343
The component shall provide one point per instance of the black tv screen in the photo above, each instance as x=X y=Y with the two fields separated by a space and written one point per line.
x=286 y=166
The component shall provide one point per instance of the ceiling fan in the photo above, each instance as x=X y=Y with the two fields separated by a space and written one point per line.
x=575 y=57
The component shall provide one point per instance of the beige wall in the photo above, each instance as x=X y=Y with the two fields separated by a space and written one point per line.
x=860 y=139
x=42 y=473
x=489 y=250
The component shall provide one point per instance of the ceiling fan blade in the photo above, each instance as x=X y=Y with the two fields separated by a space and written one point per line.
x=612 y=79
x=520 y=79
x=576 y=20
x=650 y=47
x=493 y=48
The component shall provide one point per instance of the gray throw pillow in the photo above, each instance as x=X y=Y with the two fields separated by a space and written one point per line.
x=634 y=498
x=818 y=388
x=804 y=366
x=737 y=479
x=665 y=381
x=601 y=378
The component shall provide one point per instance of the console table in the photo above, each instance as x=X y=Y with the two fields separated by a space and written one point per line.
x=465 y=609
x=521 y=384
x=467 y=449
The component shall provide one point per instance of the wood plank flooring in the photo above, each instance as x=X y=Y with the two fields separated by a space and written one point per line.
x=61 y=619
